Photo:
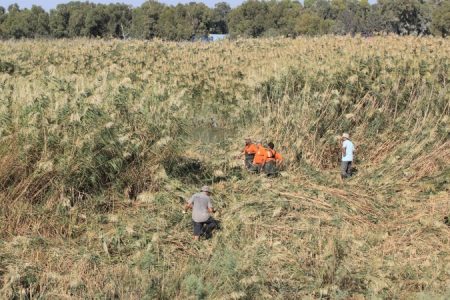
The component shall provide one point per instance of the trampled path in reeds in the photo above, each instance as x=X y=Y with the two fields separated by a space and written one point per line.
x=102 y=142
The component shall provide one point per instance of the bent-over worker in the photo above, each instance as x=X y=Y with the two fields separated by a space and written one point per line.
x=202 y=208
x=260 y=158
x=273 y=160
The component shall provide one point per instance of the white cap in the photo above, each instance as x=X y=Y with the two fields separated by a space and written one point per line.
x=346 y=135
x=205 y=188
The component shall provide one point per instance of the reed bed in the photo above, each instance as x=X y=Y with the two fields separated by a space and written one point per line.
x=103 y=141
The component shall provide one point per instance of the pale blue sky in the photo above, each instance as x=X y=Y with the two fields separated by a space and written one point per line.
x=49 y=4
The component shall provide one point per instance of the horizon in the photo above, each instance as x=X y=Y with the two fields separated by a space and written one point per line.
x=51 y=4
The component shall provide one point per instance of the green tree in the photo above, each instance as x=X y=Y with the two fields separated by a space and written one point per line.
x=322 y=8
x=77 y=20
x=144 y=24
x=68 y=20
x=2 y=19
x=183 y=22
x=310 y=23
x=59 y=20
x=440 y=24
x=219 y=18
x=39 y=22
x=96 y=22
x=174 y=24
x=119 y=20
x=200 y=17
x=14 y=24
x=406 y=16
x=282 y=16
x=248 y=19
x=375 y=21
x=350 y=16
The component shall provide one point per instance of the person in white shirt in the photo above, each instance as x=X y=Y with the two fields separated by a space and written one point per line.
x=347 y=156
x=202 y=208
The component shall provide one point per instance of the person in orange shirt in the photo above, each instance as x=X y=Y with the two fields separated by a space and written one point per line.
x=273 y=160
x=249 y=153
x=260 y=158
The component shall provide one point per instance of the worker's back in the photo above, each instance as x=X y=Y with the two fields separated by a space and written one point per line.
x=260 y=155
x=200 y=204
x=273 y=159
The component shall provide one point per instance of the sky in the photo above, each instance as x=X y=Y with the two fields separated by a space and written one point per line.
x=49 y=4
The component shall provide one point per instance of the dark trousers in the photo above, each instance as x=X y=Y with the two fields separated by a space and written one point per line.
x=249 y=160
x=205 y=228
x=270 y=168
x=346 y=169
x=256 y=168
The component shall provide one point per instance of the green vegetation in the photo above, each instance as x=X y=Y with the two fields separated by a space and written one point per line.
x=102 y=141
x=251 y=19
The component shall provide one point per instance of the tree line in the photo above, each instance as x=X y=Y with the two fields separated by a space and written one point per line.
x=253 y=18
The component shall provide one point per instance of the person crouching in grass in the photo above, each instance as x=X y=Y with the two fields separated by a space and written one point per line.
x=249 y=153
x=273 y=161
x=202 y=208
x=259 y=158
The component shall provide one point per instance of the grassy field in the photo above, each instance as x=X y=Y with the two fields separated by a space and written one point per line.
x=101 y=142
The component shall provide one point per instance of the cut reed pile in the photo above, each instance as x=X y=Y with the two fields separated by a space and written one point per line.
x=102 y=142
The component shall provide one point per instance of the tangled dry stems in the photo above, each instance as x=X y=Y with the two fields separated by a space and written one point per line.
x=103 y=140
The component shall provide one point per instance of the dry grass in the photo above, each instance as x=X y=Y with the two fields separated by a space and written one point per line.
x=101 y=142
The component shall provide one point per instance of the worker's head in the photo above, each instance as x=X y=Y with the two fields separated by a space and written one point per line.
x=248 y=141
x=345 y=136
x=271 y=145
x=206 y=189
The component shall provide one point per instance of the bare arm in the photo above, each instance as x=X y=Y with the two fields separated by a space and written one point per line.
x=189 y=204
x=210 y=206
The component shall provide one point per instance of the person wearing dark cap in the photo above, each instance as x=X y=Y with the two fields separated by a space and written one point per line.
x=273 y=160
x=202 y=208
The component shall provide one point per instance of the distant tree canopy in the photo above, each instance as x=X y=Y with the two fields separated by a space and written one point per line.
x=252 y=18
x=440 y=21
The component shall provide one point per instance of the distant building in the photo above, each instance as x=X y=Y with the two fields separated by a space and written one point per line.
x=217 y=37
x=209 y=37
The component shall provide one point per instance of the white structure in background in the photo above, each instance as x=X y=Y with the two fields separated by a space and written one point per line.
x=217 y=37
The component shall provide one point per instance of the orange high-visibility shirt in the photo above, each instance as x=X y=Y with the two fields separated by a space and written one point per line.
x=278 y=157
x=273 y=155
x=260 y=156
x=250 y=149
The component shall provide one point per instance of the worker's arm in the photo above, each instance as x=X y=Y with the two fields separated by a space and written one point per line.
x=210 y=206
x=278 y=158
x=241 y=154
x=189 y=204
